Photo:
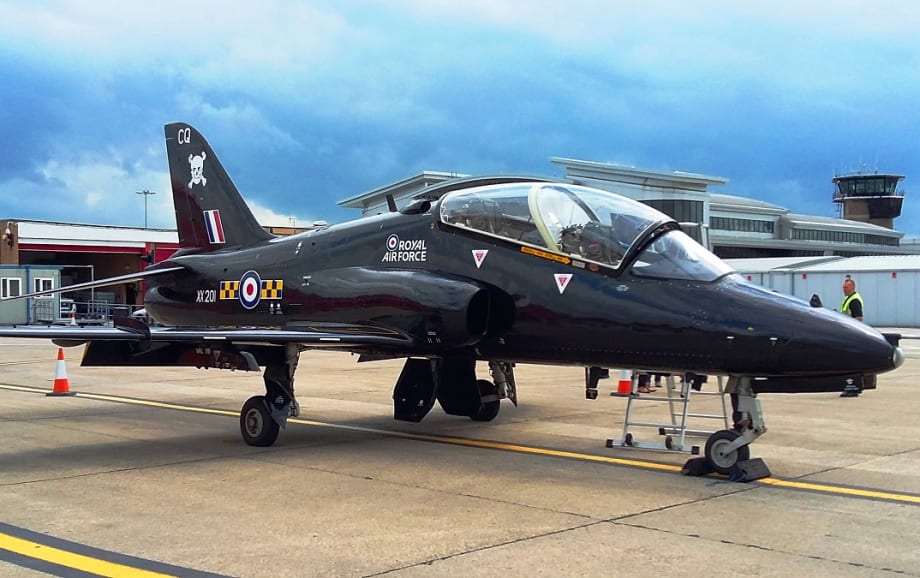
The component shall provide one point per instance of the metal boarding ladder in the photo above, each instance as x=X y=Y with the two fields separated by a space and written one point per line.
x=676 y=431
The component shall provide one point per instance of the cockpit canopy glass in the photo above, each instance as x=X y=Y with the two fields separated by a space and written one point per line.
x=591 y=224
x=574 y=220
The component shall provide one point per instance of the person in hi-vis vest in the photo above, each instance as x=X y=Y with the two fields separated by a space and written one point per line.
x=852 y=301
x=853 y=306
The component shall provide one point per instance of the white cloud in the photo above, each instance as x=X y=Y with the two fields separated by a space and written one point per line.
x=97 y=190
x=93 y=198
x=798 y=47
x=239 y=118
x=270 y=218
x=334 y=58
x=596 y=20
x=103 y=190
x=204 y=39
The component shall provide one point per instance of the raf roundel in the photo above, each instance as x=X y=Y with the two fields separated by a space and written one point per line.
x=392 y=242
x=250 y=289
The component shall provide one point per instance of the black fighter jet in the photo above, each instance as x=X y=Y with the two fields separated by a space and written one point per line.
x=499 y=270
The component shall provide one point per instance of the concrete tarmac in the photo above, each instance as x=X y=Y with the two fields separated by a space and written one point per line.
x=120 y=484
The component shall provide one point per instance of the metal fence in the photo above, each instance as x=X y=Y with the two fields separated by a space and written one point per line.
x=79 y=312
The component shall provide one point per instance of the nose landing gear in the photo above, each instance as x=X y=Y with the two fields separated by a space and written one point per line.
x=727 y=451
x=721 y=453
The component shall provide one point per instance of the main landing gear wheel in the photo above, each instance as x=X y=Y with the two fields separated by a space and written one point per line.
x=720 y=457
x=256 y=423
x=488 y=410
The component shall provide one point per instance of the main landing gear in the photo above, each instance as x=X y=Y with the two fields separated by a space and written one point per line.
x=263 y=416
x=478 y=399
x=452 y=382
x=727 y=450
x=492 y=392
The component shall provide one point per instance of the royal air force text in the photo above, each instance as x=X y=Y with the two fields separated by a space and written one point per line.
x=407 y=251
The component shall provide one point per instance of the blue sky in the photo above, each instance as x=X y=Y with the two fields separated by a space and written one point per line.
x=307 y=103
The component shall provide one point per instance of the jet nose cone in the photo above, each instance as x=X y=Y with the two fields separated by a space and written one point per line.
x=897 y=358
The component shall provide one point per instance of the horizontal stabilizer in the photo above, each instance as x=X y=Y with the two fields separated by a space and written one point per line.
x=108 y=281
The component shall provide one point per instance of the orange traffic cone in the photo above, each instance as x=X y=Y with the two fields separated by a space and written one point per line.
x=624 y=384
x=73 y=316
x=61 y=383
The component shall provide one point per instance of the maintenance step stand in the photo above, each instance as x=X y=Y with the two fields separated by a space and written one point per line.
x=676 y=431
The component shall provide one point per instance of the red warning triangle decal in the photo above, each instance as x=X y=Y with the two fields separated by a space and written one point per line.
x=479 y=255
x=562 y=281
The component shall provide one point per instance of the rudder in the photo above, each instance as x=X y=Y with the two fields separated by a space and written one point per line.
x=210 y=212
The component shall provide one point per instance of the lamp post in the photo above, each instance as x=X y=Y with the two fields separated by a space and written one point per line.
x=146 y=194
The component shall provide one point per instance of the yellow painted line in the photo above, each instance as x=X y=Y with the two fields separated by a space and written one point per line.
x=842 y=490
x=829 y=489
x=157 y=404
x=23 y=388
x=69 y=559
x=473 y=443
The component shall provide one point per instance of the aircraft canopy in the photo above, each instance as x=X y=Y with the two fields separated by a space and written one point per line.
x=579 y=221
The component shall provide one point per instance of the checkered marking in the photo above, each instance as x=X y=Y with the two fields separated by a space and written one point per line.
x=245 y=290
x=228 y=289
x=272 y=288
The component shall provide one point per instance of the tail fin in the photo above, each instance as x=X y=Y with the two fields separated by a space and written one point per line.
x=210 y=213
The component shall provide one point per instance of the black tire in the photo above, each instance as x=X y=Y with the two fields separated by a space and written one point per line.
x=669 y=442
x=487 y=410
x=628 y=440
x=721 y=461
x=256 y=423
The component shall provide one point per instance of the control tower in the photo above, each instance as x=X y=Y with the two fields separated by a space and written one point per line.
x=870 y=198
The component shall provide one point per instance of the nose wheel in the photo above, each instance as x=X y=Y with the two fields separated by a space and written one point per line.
x=723 y=454
x=728 y=448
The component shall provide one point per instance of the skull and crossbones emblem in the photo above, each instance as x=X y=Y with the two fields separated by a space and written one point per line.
x=197 y=166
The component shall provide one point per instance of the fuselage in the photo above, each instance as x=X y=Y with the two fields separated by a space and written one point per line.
x=455 y=290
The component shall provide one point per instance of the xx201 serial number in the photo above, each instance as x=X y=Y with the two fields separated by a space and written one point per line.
x=206 y=296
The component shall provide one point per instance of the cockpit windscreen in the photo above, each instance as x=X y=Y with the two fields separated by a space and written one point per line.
x=675 y=255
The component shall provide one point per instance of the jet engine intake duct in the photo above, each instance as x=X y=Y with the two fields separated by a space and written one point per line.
x=439 y=310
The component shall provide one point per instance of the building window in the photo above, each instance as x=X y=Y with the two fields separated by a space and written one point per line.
x=43 y=284
x=843 y=237
x=10 y=287
x=760 y=252
x=679 y=210
x=735 y=224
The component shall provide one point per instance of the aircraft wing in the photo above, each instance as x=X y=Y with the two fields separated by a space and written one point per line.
x=133 y=343
x=135 y=331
